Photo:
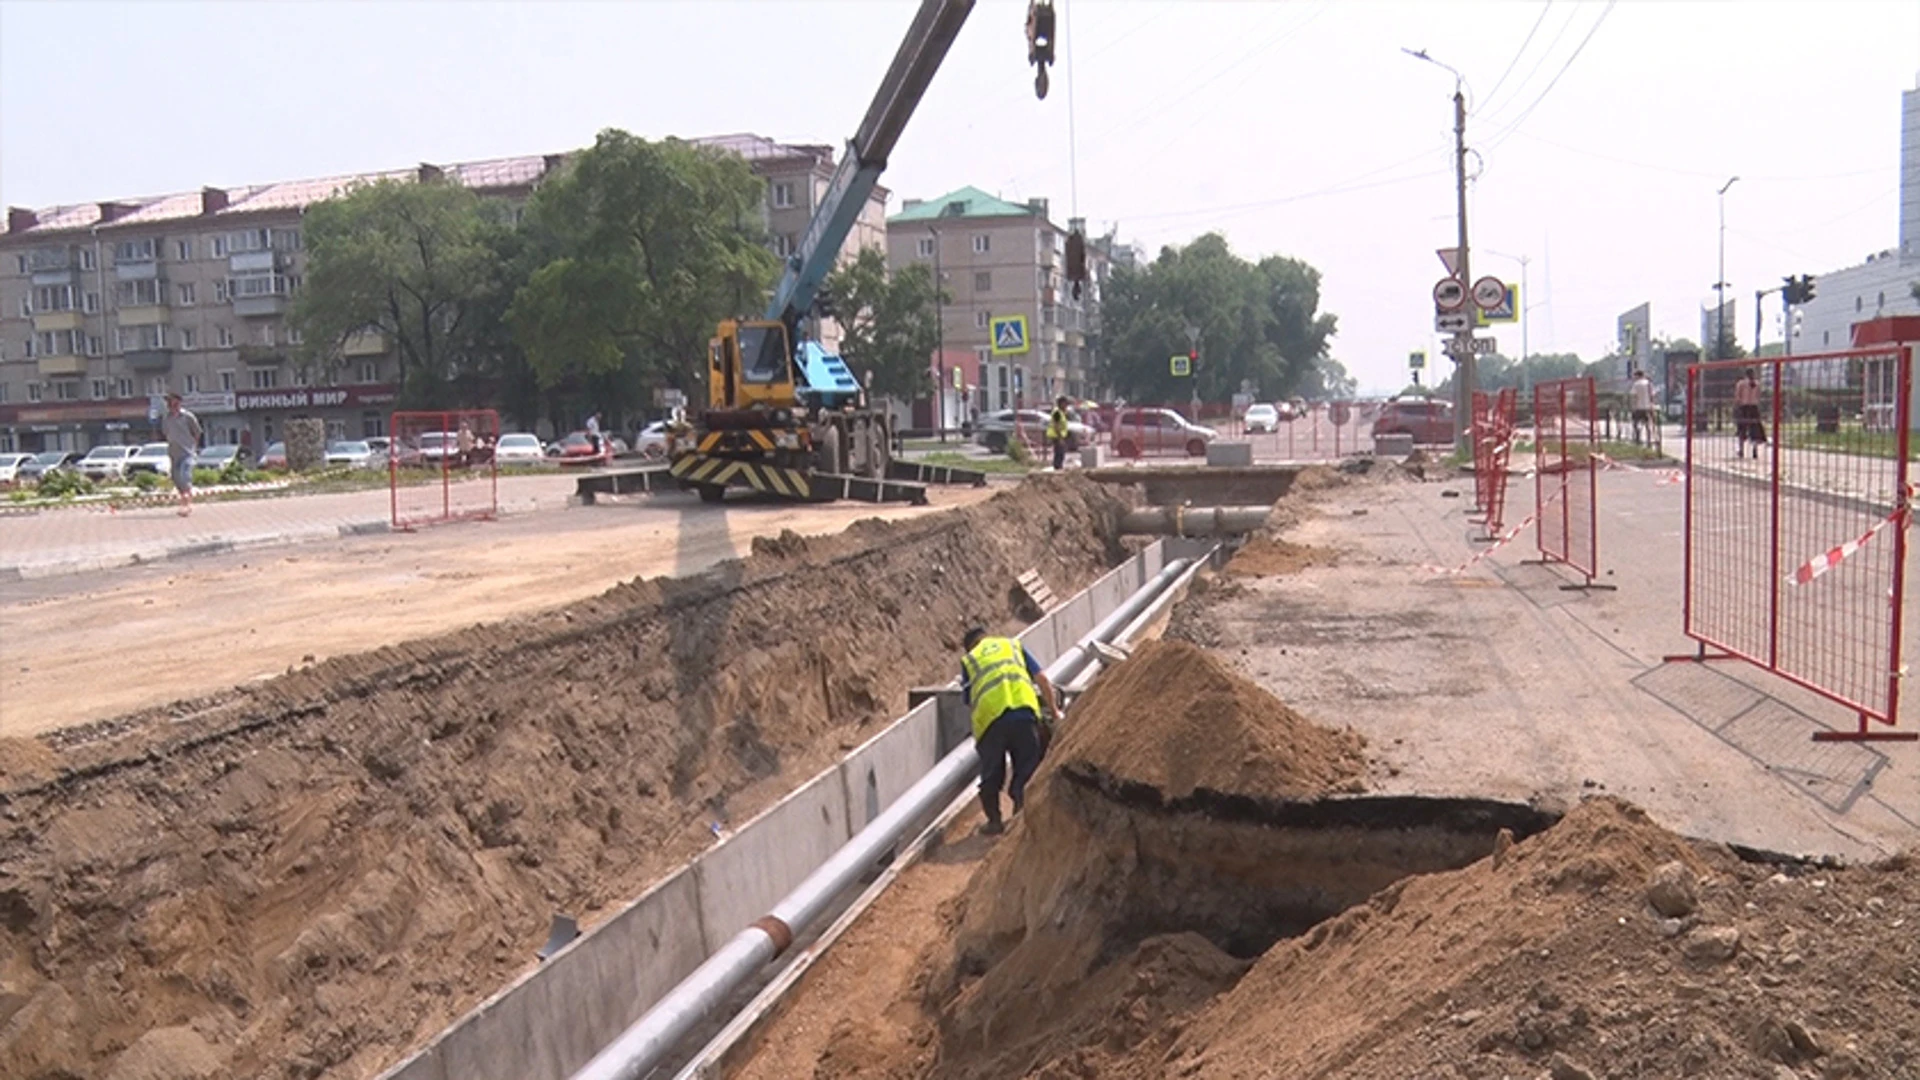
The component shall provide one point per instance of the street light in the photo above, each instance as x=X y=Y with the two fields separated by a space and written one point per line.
x=1462 y=341
x=1526 y=376
x=1720 y=286
x=940 y=350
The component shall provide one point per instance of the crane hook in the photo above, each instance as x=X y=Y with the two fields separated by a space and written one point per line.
x=1040 y=39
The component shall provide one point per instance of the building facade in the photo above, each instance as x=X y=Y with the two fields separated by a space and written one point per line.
x=994 y=259
x=104 y=307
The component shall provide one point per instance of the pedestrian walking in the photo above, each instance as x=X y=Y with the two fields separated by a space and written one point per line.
x=182 y=430
x=1747 y=428
x=1058 y=433
x=1640 y=400
x=1005 y=686
x=593 y=432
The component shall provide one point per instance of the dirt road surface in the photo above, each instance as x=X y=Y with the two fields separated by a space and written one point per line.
x=81 y=648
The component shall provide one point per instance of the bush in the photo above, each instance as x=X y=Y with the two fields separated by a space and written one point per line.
x=148 y=481
x=1017 y=450
x=63 y=484
x=234 y=472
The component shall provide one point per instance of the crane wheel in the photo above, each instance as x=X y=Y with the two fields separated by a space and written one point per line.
x=711 y=493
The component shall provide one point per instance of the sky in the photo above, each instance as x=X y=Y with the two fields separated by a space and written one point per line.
x=1600 y=133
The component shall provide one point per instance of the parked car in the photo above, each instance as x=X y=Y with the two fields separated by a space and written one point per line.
x=1139 y=430
x=1262 y=418
x=49 y=461
x=1428 y=420
x=10 y=466
x=151 y=457
x=519 y=448
x=274 y=456
x=654 y=440
x=577 y=449
x=995 y=428
x=354 y=454
x=219 y=457
x=106 y=462
x=382 y=445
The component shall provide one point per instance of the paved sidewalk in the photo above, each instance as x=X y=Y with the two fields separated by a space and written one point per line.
x=76 y=540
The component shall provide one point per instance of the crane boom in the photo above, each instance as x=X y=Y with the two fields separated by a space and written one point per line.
x=921 y=53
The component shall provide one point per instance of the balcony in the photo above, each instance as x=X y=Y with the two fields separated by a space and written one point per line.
x=144 y=315
x=365 y=344
x=59 y=367
x=251 y=307
x=150 y=361
x=55 y=320
x=262 y=355
x=65 y=275
x=142 y=270
x=255 y=262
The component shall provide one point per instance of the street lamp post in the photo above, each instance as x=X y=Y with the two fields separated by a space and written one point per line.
x=1526 y=372
x=1720 y=286
x=1462 y=348
x=940 y=350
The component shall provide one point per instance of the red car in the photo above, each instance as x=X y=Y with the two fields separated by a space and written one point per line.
x=1430 y=421
x=577 y=449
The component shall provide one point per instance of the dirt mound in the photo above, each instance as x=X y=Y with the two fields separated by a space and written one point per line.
x=1269 y=556
x=1315 y=478
x=1176 y=719
x=312 y=875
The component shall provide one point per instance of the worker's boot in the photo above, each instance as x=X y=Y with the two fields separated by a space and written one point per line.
x=994 y=826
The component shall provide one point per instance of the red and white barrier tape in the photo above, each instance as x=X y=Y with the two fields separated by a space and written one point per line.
x=1500 y=542
x=1834 y=556
x=1670 y=476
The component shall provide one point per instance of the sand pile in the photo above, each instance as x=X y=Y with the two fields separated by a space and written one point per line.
x=1176 y=719
x=1266 y=555
x=310 y=876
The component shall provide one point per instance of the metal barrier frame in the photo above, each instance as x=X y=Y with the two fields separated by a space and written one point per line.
x=1886 y=710
x=1492 y=435
x=443 y=420
x=1556 y=476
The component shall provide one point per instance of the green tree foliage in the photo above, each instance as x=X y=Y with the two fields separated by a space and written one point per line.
x=1497 y=372
x=643 y=248
x=1258 y=323
x=406 y=261
x=888 y=322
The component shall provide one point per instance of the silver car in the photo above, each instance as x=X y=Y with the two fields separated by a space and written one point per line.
x=106 y=462
x=1137 y=431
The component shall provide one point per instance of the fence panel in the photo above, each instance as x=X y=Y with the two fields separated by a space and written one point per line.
x=1566 y=474
x=441 y=467
x=1492 y=434
x=1796 y=512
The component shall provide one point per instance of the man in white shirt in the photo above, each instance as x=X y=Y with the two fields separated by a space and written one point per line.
x=1640 y=400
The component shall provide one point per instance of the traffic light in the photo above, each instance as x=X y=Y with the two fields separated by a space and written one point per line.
x=1193 y=360
x=1790 y=290
x=1806 y=287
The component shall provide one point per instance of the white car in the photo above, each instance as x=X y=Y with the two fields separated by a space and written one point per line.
x=519 y=448
x=354 y=454
x=1262 y=418
x=151 y=457
x=654 y=440
x=10 y=467
x=106 y=462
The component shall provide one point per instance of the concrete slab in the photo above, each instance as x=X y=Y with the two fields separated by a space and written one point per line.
x=877 y=772
x=1497 y=683
x=742 y=878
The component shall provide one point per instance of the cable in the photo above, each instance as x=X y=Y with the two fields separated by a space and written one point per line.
x=1522 y=118
x=1511 y=64
x=1073 y=148
x=1519 y=88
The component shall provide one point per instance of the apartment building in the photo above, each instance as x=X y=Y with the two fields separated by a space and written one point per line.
x=998 y=258
x=104 y=307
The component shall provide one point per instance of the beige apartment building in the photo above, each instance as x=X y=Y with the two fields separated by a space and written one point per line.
x=104 y=307
x=998 y=259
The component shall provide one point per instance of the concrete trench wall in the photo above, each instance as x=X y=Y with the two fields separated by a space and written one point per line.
x=551 y=1021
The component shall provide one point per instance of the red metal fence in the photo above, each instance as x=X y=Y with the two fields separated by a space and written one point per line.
x=1565 y=478
x=1796 y=511
x=1492 y=434
x=441 y=466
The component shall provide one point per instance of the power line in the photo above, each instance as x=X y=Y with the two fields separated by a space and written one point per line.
x=1522 y=118
x=1511 y=64
x=1573 y=14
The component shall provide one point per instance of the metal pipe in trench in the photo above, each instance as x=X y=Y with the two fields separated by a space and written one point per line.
x=641 y=1048
x=1194 y=520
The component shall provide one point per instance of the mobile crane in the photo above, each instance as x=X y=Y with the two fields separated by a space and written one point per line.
x=784 y=416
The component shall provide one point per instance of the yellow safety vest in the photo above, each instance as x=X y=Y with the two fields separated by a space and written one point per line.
x=1057 y=426
x=998 y=682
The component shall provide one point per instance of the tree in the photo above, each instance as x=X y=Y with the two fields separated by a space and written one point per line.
x=645 y=247
x=406 y=261
x=1258 y=326
x=888 y=323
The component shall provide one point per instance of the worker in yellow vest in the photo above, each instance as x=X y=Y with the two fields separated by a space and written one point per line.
x=1005 y=686
x=1057 y=433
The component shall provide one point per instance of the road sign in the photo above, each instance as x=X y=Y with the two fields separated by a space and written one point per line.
x=1009 y=334
x=1452 y=322
x=1449 y=294
x=959 y=378
x=1481 y=346
x=1450 y=258
x=1180 y=364
x=1488 y=292
x=1505 y=311
x=1417 y=359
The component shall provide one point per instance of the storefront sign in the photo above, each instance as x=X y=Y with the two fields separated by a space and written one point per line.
x=314 y=397
x=73 y=413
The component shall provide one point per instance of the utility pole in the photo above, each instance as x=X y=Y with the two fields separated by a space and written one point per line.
x=1720 y=286
x=940 y=351
x=1757 y=294
x=1462 y=340
x=1526 y=371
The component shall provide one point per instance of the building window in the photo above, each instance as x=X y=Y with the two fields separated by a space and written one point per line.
x=302 y=376
x=1859 y=303
x=183 y=250
x=189 y=339
x=123 y=388
x=135 y=251
x=981 y=319
x=782 y=246
x=95 y=346
x=982 y=244
x=26 y=307
x=983 y=282
x=193 y=384
x=30 y=353
x=216 y=247
x=226 y=381
x=266 y=334
x=3 y=393
x=225 y=335
x=86 y=258
x=59 y=342
x=1826 y=337
x=295 y=337
x=33 y=392
x=137 y=338
x=266 y=378
x=370 y=371
x=186 y=294
x=66 y=390
x=100 y=387
x=21 y=260
x=220 y=291
x=156 y=384
x=1883 y=299
x=53 y=298
x=926 y=247
x=91 y=303
x=782 y=195
x=146 y=293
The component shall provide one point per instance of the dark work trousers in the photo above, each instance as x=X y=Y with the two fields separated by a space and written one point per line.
x=1059 y=454
x=1015 y=732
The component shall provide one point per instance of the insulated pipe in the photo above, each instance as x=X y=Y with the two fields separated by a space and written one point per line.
x=1091 y=670
x=641 y=1048
x=1194 y=520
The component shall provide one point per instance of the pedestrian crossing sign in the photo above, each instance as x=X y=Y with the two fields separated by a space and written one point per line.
x=1009 y=334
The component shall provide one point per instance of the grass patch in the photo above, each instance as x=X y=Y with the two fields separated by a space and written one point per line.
x=998 y=465
x=1852 y=439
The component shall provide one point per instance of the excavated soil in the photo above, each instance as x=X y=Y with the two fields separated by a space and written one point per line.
x=1120 y=931
x=309 y=876
x=1270 y=556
